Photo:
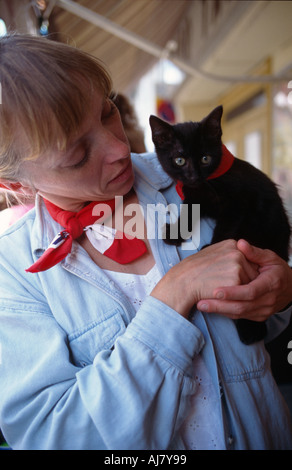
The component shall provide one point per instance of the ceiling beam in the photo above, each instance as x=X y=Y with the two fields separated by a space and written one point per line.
x=111 y=27
x=154 y=50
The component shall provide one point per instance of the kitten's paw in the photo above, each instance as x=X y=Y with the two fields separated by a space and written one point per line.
x=173 y=242
x=168 y=237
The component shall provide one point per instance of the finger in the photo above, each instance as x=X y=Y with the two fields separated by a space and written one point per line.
x=250 y=272
x=246 y=292
x=267 y=281
x=255 y=255
x=234 y=310
x=228 y=309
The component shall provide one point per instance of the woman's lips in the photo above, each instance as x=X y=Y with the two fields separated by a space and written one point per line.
x=123 y=175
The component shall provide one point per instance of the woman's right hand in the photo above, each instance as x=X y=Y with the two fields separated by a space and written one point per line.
x=197 y=276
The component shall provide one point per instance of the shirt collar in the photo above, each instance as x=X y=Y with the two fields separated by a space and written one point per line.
x=148 y=168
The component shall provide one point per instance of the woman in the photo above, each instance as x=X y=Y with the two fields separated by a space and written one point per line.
x=104 y=353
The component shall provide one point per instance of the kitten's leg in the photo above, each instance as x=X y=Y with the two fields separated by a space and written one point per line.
x=249 y=331
x=180 y=230
x=171 y=234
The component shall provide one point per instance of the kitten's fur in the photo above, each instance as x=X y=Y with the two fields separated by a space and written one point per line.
x=244 y=202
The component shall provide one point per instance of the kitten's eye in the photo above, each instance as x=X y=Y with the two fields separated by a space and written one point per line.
x=206 y=159
x=179 y=161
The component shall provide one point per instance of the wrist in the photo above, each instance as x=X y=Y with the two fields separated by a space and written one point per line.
x=173 y=296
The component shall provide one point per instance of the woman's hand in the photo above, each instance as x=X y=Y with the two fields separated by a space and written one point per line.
x=266 y=294
x=199 y=275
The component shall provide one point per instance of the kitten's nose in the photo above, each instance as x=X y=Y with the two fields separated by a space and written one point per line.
x=192 y=179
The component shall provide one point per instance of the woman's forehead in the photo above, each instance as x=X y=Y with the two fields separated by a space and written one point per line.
x=60 y=150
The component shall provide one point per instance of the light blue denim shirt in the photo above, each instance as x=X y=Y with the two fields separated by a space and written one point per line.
x=80 y=370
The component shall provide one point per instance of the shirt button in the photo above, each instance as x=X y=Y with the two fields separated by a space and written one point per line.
x=230 y=440
x=221 y=390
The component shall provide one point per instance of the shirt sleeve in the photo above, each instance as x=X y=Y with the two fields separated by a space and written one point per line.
x=131 y=397
x=278 y=323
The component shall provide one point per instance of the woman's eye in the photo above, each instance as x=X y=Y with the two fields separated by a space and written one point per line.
x=206 y=159
x=83 y=160
x=179 y=161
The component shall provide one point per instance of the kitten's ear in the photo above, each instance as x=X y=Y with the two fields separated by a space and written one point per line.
x=212 y=123
x=162 y=132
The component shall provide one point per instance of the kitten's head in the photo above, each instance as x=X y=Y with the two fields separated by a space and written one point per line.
x=191 y=151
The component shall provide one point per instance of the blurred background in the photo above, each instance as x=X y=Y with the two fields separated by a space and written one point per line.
x=179 y=59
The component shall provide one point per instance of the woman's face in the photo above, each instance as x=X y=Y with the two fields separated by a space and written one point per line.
x=96 y=165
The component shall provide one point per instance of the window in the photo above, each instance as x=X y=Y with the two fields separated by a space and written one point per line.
x=3 y=29
x=253 y=148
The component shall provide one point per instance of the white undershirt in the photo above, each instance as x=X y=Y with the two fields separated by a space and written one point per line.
x=136 y=286
x=202 y=429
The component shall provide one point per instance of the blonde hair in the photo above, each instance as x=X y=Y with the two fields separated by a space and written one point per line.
x=46 y=91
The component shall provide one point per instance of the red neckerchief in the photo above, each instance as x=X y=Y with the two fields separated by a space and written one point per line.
x=10 y=186
x=226 y=163
x=124 y=248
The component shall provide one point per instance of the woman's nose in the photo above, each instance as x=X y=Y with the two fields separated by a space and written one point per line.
x=117 y=147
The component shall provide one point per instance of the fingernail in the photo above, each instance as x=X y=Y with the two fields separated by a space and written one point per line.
x=220 y=295
x=204 y=308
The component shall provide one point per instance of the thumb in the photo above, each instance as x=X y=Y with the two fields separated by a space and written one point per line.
x=255 y=255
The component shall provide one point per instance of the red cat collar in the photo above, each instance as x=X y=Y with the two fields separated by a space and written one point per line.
x=226 y=163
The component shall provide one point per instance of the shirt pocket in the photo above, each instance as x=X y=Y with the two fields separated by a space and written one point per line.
x=238 y=362
x=252 y=364
x=94 y=337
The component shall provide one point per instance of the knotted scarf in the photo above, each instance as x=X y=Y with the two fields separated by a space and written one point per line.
x=122 y=247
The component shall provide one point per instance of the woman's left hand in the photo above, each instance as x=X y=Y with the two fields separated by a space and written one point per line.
x=269 y=293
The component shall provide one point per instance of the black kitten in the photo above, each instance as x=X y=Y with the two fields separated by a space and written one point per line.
x=243 y=201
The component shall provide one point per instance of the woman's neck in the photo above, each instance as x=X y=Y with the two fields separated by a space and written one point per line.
x=73 y=205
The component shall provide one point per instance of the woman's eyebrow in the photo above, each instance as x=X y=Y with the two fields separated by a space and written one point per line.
x=86 y=127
